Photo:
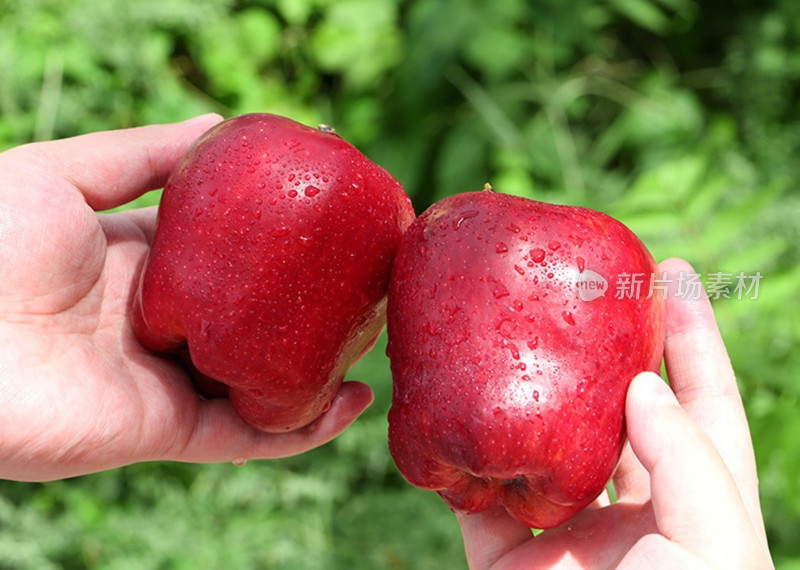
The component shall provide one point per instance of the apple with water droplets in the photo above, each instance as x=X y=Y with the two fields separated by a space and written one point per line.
x=515 y=328
x=270 y=264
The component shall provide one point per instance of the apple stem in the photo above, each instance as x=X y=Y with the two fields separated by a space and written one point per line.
x=488 y=188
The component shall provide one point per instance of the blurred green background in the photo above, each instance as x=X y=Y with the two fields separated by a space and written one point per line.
x=679 y=117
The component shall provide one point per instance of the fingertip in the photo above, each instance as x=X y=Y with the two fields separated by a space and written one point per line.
x=351 y=400
x=348 y=404
x=199 y=124
x=675 y=265
x=648 y=399
x=357 y=392
x=206 y=118
x=650 y=389
x=647 y=389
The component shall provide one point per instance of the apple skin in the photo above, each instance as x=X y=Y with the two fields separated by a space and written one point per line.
x=510 y=376
x=270 y=264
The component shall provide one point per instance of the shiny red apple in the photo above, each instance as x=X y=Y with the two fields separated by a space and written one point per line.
x=515 y=328
x=270 y=265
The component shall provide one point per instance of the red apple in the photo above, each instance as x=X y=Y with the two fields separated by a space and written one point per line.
x=270 y=265
x=513 y=337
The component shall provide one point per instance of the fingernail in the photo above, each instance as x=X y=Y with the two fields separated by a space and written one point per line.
x=658 y=391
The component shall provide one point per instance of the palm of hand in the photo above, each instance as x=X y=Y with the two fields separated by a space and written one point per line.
x=81 y=394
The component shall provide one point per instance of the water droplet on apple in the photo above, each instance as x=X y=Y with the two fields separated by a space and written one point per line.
x=519 y=270
x=536 y=395
x=292 y=193
x=533 y=343
x=431 y=328
x=205 y=329
x=554 y=245
x=465 y=215
x=499 y=291
x=518 y=306
x=537 y=254
x=311 y=191
x=281 y=231
x=501 y=248
x=514 y=350
x=581 y=264
x=567 y=315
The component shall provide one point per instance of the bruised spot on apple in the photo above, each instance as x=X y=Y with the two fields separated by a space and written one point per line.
x=270 y=264
x=511 y=352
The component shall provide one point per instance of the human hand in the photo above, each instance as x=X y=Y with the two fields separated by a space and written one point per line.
x=78 y=393
x=686 y=484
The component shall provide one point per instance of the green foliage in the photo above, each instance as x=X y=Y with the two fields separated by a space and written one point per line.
x=675 y=116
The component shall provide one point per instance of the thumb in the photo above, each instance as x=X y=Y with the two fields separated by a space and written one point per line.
x=111 y=168
x=695 y=498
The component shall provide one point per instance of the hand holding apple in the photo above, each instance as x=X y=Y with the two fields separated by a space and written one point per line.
x=81 y=394
x=687 y=487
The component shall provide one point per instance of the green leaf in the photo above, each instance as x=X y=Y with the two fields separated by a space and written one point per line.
x=643 y=12
x=358 y=39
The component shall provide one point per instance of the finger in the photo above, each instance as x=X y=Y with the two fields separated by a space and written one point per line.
x=144 y=219
x=593 y=538
x=703 y=380
x=489 y=535
x=220 y=435
x=111 y=168
x=631 y=480
x=695 y=498
x=655 y=552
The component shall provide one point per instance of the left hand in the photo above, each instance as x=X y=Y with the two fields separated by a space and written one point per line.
x=78 y=393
